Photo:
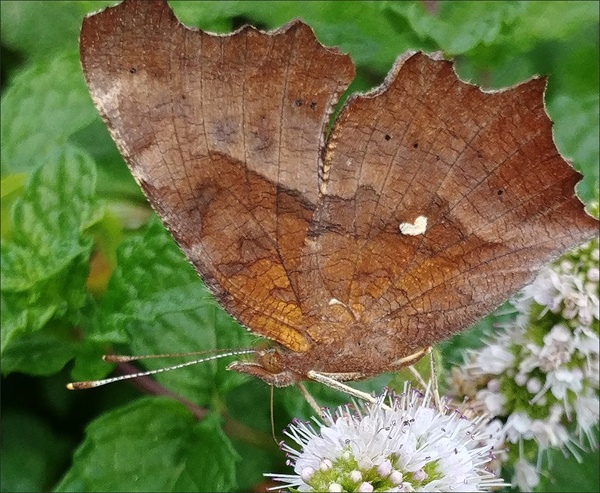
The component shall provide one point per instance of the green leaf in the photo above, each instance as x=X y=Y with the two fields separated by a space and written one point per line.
x=567 y=474
x=152 y=444
x=42 y=107
x=30 y=461
x=45 y=263
x=576 y=127
x=40 y=353
x=554 y=20
x=32 y=28
x=362 y=29
x=458 y=27
x=211 y=459
x=11 y=184
x=114 y=178
x=156 y=301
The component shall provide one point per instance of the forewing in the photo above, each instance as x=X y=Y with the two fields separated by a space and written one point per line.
x=223 y=134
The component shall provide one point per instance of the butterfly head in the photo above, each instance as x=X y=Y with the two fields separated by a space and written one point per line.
x=267 y=365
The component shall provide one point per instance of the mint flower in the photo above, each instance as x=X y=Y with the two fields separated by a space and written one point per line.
x=408 y=446
x=540 y=374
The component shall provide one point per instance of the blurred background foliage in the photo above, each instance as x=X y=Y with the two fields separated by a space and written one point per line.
x=86 y=269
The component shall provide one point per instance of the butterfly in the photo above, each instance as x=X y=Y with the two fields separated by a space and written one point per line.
x=352 y=243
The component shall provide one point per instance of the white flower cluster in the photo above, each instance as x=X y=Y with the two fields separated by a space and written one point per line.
x=409 y=446
x=541 y=373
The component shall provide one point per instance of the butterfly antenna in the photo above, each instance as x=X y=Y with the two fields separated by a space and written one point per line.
x=119 y=358
x=90 y=384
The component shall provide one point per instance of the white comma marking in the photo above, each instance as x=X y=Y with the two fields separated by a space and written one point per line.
x=413 y=229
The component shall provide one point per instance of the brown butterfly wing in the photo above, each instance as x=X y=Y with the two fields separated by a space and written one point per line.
x=224 y=135
x=481 y=167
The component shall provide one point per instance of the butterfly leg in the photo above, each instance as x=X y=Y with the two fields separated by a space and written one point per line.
x=337 y=385
x=434 y=380
x=417 y=376
x=309 y=398
x=411 y=359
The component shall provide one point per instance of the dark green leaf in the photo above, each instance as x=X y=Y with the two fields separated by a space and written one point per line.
x=568 y=474
x=29 y=461
x=152 y=444
x=156 y=301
